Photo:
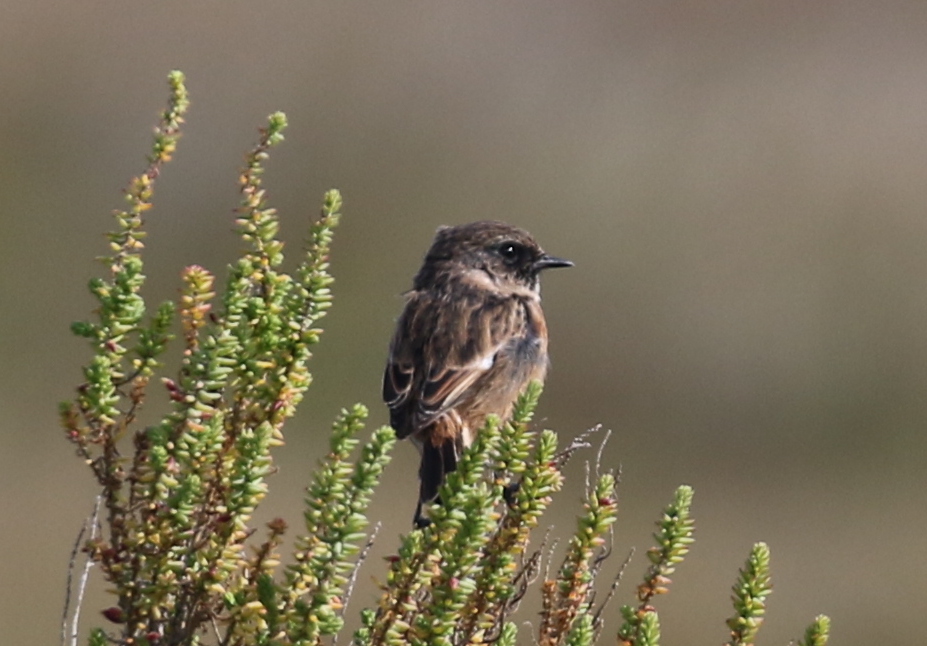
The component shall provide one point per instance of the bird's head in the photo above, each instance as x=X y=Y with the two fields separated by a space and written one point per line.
x=509 y=256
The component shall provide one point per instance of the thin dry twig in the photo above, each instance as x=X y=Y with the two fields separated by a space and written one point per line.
x=550 y=554
x=215 y=630
x=530 y=627
x=597 y=620
x=581 y=441
x=93 y=522
x=352 y=580
x=598 y=455
x=72 y=561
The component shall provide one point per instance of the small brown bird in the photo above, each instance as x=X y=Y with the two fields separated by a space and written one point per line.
x=471 y=337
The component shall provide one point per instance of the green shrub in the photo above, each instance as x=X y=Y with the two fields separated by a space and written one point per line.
x=172 y=535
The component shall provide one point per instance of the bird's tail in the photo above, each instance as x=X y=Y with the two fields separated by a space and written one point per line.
x=437 y=462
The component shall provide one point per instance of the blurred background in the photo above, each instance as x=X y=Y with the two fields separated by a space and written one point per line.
x=741 y=185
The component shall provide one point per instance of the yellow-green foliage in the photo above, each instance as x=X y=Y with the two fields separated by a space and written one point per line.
x=176 y=542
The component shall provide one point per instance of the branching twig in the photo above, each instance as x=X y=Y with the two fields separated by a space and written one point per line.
x=581 y=441
x=93 y=523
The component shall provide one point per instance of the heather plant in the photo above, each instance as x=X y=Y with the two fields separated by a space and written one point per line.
x=173 y=536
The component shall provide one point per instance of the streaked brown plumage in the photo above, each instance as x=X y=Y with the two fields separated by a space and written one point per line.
x=471 y=337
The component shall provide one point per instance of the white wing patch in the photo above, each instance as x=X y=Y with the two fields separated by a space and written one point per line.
x=486 y=362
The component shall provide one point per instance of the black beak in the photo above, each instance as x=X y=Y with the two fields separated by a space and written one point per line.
x=549 y=262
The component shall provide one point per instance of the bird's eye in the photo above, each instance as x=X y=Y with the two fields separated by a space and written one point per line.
x=511 y=251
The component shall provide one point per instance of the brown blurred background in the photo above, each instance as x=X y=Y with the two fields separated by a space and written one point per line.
x=741 y=184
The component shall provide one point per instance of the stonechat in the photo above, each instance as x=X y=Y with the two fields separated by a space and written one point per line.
x=472 y=335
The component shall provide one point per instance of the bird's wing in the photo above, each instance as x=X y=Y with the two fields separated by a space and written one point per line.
x=446 y=385
x=440 y=352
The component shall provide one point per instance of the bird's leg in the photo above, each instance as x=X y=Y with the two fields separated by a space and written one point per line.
x=509 y=492
x=420 y=521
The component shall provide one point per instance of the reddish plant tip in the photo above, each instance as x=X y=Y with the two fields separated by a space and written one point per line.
x=114 y=614
x=277 y=525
